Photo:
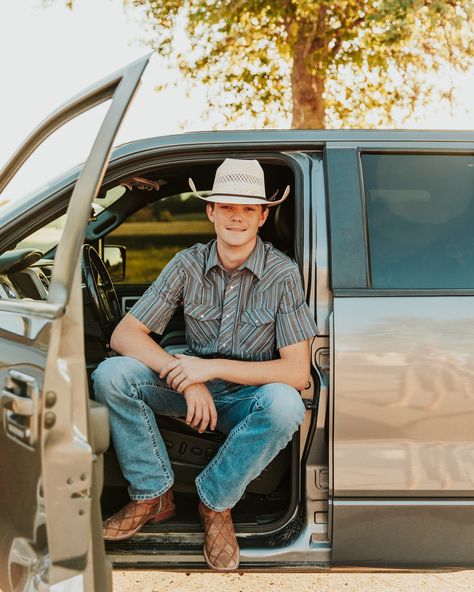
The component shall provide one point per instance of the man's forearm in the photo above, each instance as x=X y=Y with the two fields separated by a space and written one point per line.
x=288 y=371
x=141 y=347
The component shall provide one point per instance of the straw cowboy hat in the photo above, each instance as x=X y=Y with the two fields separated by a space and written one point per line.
x=240 y=182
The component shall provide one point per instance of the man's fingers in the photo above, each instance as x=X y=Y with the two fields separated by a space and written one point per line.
x=176 y=382
x=197 y=416
x=205 y=420
x=202 y=413
x=190 y=413
x=213 y=418
x=168 y=367
x=173 y=374
x=183 y=385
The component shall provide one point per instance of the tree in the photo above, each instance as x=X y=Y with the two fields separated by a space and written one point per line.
x=343 y=62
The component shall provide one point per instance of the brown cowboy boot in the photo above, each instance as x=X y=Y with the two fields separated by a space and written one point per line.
x=130 y=519
x=221 y=549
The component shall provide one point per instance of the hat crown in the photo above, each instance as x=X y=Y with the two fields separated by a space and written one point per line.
x=240 y=177
x=240 y=181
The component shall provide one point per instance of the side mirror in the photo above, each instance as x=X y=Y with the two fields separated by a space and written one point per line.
x=115 y=257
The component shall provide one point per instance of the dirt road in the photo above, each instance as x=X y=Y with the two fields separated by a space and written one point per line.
x=156 y=581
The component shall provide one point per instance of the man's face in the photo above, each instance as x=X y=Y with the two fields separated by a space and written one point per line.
x=236 y=224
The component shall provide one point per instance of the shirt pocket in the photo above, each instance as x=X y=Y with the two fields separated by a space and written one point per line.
x=257 y=330
x=202 y=324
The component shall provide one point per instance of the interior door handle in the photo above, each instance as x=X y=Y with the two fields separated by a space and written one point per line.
x=17 y=404
x=19 y=401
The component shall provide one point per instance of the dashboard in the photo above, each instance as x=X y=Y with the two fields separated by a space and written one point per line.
x=24 y=274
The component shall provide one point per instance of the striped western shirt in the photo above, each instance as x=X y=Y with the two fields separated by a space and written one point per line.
x=248 y=314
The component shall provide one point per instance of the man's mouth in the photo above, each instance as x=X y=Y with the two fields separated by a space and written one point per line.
x=232 y=229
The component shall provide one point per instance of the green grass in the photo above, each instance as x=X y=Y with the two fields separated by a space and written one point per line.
x=143 y=266
x=150 y=245
x=191 y=227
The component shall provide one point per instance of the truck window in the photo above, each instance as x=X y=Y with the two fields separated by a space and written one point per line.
x=420 y=213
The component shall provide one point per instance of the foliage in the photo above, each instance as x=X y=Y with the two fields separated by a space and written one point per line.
x=342 y=62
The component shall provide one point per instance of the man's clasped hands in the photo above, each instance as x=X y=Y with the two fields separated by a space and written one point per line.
x=187 y=375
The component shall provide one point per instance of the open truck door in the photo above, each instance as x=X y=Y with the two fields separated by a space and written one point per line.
x=50 y=521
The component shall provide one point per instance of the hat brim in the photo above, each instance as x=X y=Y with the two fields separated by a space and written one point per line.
x=237 y=199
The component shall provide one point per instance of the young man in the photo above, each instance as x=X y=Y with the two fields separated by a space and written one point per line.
x=243 y=305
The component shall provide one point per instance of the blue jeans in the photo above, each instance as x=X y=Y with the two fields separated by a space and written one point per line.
x=258 y=420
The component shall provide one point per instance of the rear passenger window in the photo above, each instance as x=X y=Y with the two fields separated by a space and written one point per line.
x=420 y=211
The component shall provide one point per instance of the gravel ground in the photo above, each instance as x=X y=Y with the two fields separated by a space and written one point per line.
x=156 y=581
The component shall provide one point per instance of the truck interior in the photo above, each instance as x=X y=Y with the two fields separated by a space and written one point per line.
x=272 y=500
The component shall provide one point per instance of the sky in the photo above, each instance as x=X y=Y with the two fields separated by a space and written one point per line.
x=50 y=54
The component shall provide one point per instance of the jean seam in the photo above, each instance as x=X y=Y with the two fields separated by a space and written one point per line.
x=143 y=411
x=153 y=384
x=218 y=456
x=134 y=394
x=230 y=398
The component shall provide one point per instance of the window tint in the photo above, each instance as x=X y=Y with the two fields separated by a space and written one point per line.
x=154 y=234
x=420 y=211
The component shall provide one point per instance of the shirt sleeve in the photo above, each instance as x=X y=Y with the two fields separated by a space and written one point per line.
x=158 y=303
x=294 y=321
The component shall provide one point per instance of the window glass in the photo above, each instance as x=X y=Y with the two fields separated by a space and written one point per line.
x=48 y=237
x=60 y=152
x=154 y=234
x=420 y=211
x=58 y=155
x=45 y=238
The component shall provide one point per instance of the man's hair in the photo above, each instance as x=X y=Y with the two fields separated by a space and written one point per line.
x=263 y=206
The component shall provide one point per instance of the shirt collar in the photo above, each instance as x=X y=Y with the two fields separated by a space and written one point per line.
x=254 y=262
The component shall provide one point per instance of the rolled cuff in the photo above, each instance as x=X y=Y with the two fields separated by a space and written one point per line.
x=153 y=313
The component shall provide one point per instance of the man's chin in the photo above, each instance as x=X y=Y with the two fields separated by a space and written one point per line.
x=237 y=239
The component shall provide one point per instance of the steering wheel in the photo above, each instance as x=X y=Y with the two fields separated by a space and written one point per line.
x=103 y=299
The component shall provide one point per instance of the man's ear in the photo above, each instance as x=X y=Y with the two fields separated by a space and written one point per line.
x=210 y=212
x=263 y=217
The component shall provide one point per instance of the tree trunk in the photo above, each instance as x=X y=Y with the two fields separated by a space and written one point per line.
x=307 y=92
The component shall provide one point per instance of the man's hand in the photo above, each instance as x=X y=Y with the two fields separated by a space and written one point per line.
x=185 y=371
x=201 y=409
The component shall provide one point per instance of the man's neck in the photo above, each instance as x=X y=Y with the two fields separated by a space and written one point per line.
x=233 y=257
